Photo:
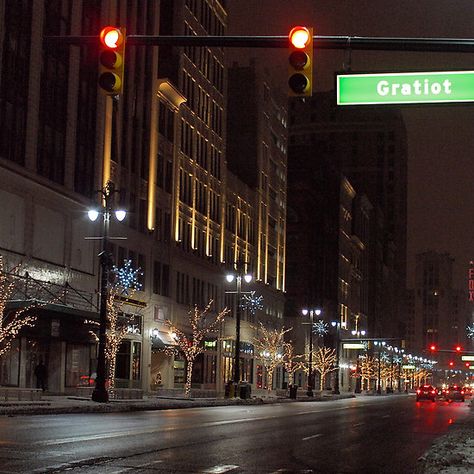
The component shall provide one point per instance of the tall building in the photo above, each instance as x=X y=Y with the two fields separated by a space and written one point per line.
x=190 y=218
x=439 y=312
x=368 y=146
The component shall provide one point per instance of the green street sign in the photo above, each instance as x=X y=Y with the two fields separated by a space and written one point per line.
x=405 y=88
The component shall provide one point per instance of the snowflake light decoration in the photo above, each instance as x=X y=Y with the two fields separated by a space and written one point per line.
x=470 y=331
x=320 y=327
x=127 y=277
x=252 y=302
x=397 y=360
x=384 y=357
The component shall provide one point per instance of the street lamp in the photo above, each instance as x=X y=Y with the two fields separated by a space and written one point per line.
x=311 y=312
x=337 y=325
x=100 y=393
x=240 y=273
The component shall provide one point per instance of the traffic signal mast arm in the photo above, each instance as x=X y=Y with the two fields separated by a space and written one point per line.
x=446 y=45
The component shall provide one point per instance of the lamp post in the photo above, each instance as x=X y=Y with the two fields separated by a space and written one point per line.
x=240 y=273
x=311 y=312
x=100 y=393
x=337 y=325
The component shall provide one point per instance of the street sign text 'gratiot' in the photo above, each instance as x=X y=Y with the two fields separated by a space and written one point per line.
x=405 y=88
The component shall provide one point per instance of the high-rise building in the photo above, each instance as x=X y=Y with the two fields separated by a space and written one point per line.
x=368 y=146
x=189 y=220
x=439 y=312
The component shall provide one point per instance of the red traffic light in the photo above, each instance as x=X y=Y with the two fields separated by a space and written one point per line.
x=111 y=37
x=433 y=347
x=458 y=348
x=451 y=363
x=468 y=364
x=111 y=60
x=299 y=37
x=300 y=62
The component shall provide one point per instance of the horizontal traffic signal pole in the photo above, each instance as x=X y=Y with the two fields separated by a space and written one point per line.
x=367 y=43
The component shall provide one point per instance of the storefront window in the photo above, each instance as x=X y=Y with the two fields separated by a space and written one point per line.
x=179 y=375
x=122 y=367
x=10 y=364
x=136 y=358
x=78 y=366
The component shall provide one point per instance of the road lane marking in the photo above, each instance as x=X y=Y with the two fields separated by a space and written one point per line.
x=120 y=434
x=313 y=436
x=221 y=468
x=386 y=416
x=358 y=424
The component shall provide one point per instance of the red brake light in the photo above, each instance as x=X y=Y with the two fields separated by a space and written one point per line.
x=433 y=391
x=418 y=391
x=462 y=392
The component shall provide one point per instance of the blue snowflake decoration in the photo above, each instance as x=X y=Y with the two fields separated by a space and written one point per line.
x=320 y=327
x=252 y=302
x=127 y=277
x=384 y=357
x=470 y=331
x=397 y=360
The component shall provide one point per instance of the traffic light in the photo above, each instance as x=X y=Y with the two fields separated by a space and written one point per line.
x=111 y=60
x=467 y=364
x=451 y=363
x=433 y=347
x=458 y=348
x=300 y=62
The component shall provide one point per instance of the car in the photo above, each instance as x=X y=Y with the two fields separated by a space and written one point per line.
x=467 y=391
x=455 y=393
x=426 y=392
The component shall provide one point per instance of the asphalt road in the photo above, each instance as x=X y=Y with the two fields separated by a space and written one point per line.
x=363 y=435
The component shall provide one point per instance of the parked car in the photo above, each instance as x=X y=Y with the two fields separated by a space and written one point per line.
x=426 y=392
x=455 y=393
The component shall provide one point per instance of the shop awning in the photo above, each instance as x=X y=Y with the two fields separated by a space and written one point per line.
x=161 y=340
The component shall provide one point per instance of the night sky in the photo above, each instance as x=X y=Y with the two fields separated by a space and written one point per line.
x=440 y=138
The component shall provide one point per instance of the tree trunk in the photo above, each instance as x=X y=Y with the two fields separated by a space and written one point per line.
x=321 y=381
x=189 y=374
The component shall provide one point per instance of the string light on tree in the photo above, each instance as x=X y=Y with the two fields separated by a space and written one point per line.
x=252 y=302
x=191 y=346
x=320 y=327
x=127 y=277
x=11 y=322
x=270 y=344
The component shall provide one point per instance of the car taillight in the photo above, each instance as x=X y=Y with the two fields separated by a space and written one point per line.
x=418 y=391
x=433 y=392
x=462 y=392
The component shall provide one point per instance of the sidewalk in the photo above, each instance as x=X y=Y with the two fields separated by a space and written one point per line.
x=53 y=404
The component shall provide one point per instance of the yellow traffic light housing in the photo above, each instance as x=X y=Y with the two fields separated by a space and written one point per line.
x=300 y=62
x=111 y=60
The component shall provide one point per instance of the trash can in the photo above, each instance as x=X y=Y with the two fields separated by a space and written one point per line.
x=293 y=391
x=245 y=390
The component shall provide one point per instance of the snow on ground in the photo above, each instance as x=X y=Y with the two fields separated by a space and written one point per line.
x=452 y=453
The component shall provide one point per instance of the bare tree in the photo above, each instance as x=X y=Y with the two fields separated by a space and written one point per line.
x=368 y=369
x=11 y=322
x=270 y=348
x=324 y=363
x=192 y=346
x=291 y=361
x=117 y=327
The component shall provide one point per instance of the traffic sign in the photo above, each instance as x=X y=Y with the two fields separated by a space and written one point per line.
x=405 y=88
x=468 y=357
